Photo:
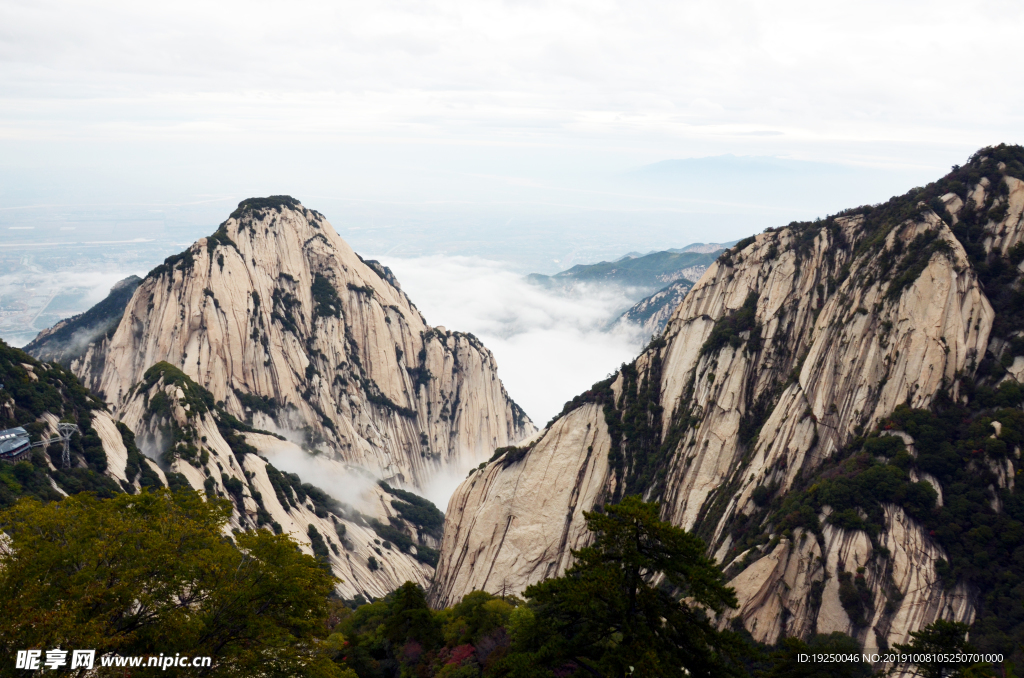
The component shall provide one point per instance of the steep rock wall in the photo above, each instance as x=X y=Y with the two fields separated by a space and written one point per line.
x=489 y=547
x=289 y=328
x=245 y=478
x=791 y=346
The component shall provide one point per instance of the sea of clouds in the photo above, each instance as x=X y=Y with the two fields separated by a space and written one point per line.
x=550 y=346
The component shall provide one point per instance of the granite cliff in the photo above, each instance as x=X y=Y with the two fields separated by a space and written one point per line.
x=375 y=540
x=835 y=408
x=293 y=332
x=205 y=448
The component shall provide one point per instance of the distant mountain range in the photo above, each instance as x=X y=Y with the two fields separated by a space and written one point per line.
x=657 y=281
x=69 y=339
x=651 y=313
x=646 y=272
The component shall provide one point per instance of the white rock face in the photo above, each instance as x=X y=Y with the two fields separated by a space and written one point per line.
x=835 y=342
x=488 y=547
x=113 y=446
x=353 y=367
x=1009 y=231
x=349 y=557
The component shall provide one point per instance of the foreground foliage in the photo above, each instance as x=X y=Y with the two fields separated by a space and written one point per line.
x=604 y=617
x=606 y=614
x=153 y=573
x=938 y=640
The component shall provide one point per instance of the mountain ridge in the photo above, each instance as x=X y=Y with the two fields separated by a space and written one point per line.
x=69 y=339
x=292 y=330
x=652 y=271
x=789 y=359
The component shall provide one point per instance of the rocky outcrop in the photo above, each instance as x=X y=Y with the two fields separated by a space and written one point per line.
x=794 y=588
x=488 y=546
x=652 y=313
x=792 y=346
x=1006 y=232
x=294 y=332
x=203 y=448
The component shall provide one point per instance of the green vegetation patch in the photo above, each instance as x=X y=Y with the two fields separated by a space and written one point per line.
x=257 y=403
x=186 y=259
x=196 y=397
x=374 y=395
x=117 y=572
x=918 y=253
x=326 y=302
x=291 y=491
x=729 y=328
x=285 y=310
x=419 y=511
x=55 y=390
x=220 y=238
x=957 y=445
x=598 y=619
x=510 y=455
x=273 y=202
x=100 y=321
x=29 y=478
x=405 y=544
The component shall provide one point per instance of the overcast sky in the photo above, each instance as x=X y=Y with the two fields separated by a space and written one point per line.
x=608 y=83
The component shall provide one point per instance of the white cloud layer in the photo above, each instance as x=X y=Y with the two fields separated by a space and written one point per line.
x=412 y=115
x=348 y=484
x=32 y=299
x=549 y=347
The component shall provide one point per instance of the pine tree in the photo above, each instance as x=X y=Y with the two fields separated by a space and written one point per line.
x=635 y=602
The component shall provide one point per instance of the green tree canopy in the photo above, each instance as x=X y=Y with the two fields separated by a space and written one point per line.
x=154 y=573
x=938 y=639
x=786 y=661
x=410 y=618
x=635 y=602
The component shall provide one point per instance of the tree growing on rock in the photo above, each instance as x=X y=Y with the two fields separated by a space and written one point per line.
x=936 y=645
x=635 y=603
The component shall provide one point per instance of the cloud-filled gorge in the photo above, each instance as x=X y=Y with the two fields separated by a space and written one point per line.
x=549 y=346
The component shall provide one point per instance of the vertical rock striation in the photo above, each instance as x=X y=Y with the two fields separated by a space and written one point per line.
x=202 y=447
x=791 y=348
x=291 y=330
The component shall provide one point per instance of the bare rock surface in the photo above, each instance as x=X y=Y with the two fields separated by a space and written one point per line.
x=290 y=329
x=789 y=347
x=164 y=416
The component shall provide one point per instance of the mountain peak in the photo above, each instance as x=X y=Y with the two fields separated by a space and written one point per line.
x=292 y=331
